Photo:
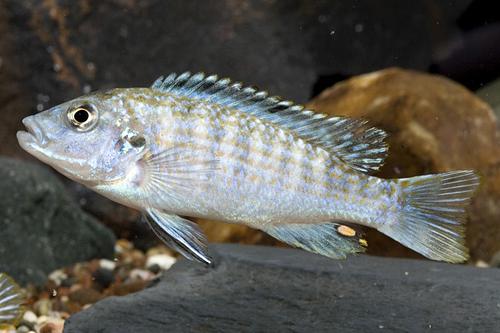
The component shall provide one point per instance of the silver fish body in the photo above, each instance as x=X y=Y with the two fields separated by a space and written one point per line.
x=264 y=174
x=196 y=146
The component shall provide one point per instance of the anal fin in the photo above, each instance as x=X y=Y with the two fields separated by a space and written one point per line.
x=180 y=234
x=329 y=239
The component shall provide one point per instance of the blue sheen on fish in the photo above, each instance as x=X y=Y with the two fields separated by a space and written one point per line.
x=200 y=146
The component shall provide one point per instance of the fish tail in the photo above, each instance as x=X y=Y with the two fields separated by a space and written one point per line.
x=431 y=217
x=11 y=300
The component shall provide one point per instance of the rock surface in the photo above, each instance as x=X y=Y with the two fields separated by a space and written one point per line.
x=263 y=289
x=41 y=227
x=434 y=125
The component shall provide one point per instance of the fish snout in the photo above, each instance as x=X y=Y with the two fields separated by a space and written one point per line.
x=34 y=133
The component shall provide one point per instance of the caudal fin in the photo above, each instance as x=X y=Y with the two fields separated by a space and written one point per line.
x=432 y=215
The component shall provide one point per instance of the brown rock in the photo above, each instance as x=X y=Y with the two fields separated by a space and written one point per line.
x=434 y=125
x=84 y=296
x=128 y=287
x=220 y=232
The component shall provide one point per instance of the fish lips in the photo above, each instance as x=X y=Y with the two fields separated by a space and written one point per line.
x=33 y=138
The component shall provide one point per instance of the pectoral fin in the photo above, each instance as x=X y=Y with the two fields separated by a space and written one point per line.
x=177 y=170
x=179 y=234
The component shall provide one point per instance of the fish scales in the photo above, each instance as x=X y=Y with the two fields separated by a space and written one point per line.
x=275 y=165
x=194 y=145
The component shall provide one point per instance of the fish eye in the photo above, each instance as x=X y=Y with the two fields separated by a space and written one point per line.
x=82 y=117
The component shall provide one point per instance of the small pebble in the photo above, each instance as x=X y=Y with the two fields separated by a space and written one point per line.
x=53 y=326
x=42 y=320
x=128 y=287
x=68 y=282
x=85 y=295
x=161 y=249
x=155 y=269
x=123 y=245
x=482 y=264
x=141 y=274
x=42 y=307
x=58 y=276
x=23 y=329
x=107 y=264
x=136 y=258
x=30 y=317
x=104 y=277
x=165 y=261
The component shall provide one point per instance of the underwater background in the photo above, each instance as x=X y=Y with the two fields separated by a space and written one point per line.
x=427 y=72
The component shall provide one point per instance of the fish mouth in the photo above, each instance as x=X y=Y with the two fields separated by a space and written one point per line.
x=33 y=137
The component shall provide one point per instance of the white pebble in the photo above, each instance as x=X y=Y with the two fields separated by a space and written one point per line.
x=107 y=264
x=58 y=276
x=42 y=320
x=164 y=261
x=30 y=317
x=482 y=264
x=141 y=274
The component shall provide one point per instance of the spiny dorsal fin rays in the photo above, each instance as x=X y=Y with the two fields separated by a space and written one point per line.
x=353 y=141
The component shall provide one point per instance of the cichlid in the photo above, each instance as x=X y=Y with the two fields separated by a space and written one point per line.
x=194 y=145
x=11 y=301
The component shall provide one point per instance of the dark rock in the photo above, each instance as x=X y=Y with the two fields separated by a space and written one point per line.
x=42 y=229
x=434 y=125
x=263 y=289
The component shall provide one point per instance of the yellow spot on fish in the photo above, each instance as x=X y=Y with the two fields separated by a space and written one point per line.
x=346 y=231
x=363 y=242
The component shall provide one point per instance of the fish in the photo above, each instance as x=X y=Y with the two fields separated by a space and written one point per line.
x=11 y=301
x=200 y=146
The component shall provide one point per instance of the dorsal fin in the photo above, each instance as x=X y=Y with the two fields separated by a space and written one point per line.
x=353 y=141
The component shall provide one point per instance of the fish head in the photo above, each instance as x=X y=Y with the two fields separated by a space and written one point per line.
x=86 y=139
